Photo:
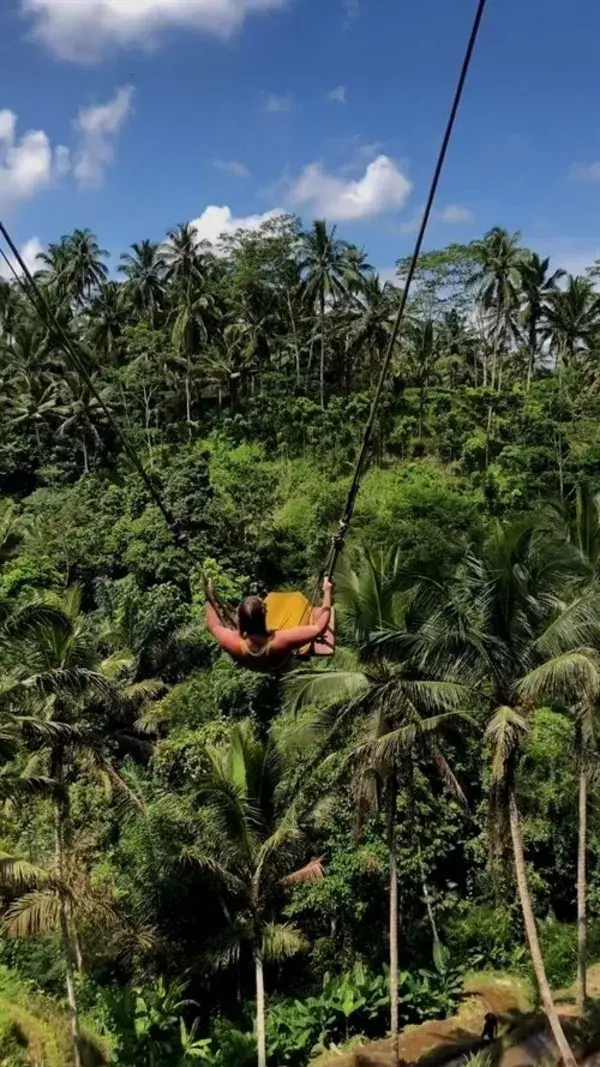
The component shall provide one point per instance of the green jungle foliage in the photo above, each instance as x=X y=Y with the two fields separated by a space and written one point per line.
x=176 y=831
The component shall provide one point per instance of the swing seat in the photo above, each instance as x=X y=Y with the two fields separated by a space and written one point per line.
x=285 y=611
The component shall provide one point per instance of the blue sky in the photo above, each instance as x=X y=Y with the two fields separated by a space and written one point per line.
x=129 y=116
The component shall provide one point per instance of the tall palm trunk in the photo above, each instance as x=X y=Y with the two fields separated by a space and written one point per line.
x=582 y=893
x=67 y=945
x=490 y=410
x=86 y=465
x=391 y=839
x=532 y=349
x=294 y=335
x=261 y=1041
x=532 y=935
x=322 y=358
x=188 y=396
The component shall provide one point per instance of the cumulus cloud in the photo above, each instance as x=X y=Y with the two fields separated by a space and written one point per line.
x=585 y=172
x=62 y=160
x=455 y=213
x=229 y=166
x=338 y=96
x=26 y=165
x=382 y=188
x=98 y=128
x=214 y=222
x=452 y=214
x=81 y=30
x=29 y=252
x=277 y=105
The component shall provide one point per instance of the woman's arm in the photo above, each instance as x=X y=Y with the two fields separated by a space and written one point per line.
x=298 y=636
x=228 y=639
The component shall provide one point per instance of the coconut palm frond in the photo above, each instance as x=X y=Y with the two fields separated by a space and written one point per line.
x=33 y=913
x=281 y=941
x=574 y=675
x=311 y=872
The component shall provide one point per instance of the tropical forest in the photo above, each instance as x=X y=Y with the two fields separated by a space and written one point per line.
x=368 y=858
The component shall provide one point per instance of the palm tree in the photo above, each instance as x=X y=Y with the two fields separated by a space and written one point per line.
x=504 y=734
x=404 y=713
x=497 y=280
x=252 y=847
x=424 y=354
x=144 y=269
x=572 y=320
x=356 y=270
x=578 y=681
x=192 y=315
x=70 y=713
x=182 y=256
x=372 y=319
x=510 y=634
x=322 y=270
x=53 y=272
x=51 y=689
x=32 y=401
x=80 y=413
x=26 y=349
x=536 y=284
x=83 y=269
x=108 y=318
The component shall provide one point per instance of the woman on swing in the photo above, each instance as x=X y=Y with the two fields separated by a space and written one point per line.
x=252 y=644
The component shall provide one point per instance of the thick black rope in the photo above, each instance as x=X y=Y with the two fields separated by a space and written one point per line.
x=70 y=346
x=340 y=537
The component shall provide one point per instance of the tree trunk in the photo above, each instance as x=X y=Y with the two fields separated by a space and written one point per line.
x=532 y=935
x=294 y=335
x=188 y=400
x=147 y=419
x=65 y=934
x=86 y=466
x=391 y=836
x=322 y=359
x=581 y=894
x=532 y=351
x=495 y=348
x=261 y=1043
x=427 y=901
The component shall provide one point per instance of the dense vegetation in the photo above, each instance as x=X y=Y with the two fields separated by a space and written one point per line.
x=190 y=852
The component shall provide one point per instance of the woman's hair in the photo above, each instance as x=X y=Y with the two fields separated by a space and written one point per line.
x=252 y=617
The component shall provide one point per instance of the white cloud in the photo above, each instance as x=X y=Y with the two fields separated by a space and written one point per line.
x=352 y=8
x=98 y=127
x=26 y=165
x=382 y=188
x=278 y=105
x=454 y=214
x=338 y=95
x=217 y=221
x=585 y=172
x=62 y=160
x=8 y=125
x=29 y=252
x=81 y=30
x=229 y=166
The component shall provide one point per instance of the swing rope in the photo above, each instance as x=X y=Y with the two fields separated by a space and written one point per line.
x=339 y=538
